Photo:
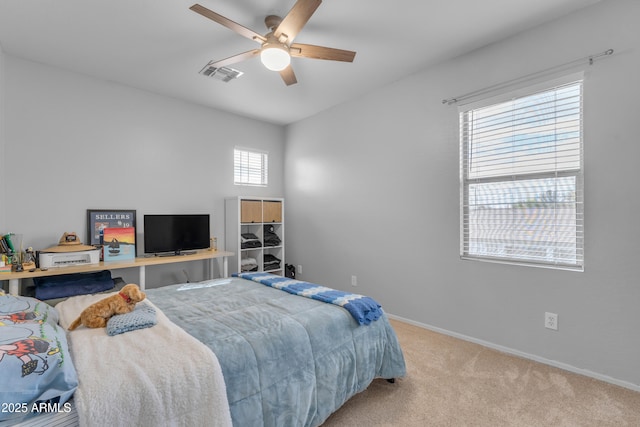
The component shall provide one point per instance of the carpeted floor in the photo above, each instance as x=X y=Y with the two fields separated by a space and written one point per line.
x=451 y=382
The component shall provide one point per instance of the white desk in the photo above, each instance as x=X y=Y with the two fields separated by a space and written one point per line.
x=140 y=263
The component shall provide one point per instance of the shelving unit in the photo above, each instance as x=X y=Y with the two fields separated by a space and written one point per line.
x=258 y=216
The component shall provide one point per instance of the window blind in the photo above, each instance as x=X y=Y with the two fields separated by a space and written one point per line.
x=522 y=179
x=250 y=167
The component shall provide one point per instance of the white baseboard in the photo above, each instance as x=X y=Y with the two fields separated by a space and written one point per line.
x=554 y=363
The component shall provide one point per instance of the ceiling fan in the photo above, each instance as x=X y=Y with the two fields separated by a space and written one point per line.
x=277 y=45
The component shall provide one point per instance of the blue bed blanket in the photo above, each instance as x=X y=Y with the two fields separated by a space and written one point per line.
x=286 y=360
x=364 y=309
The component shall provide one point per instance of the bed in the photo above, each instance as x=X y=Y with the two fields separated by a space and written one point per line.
x=155 y=376
x=277 y=359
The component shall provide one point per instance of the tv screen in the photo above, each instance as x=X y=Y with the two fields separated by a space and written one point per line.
x=175 y=233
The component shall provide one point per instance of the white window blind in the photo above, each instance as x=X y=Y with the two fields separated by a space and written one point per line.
x=521 y=164
x=251 y=167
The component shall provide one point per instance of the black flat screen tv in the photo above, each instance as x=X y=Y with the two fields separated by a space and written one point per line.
x=174 y=234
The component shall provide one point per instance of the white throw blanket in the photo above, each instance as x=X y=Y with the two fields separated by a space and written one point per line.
x=148 y=377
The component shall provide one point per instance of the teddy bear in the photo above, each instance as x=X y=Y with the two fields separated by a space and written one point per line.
x=98 y=313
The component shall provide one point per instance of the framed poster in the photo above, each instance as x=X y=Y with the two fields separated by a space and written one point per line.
x=99 y=219
x=119 y=243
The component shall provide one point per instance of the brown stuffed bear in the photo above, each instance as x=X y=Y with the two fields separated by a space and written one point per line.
x=97 y=314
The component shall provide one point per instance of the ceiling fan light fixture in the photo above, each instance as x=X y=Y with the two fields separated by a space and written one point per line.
x=277 y=45
x=275 y=57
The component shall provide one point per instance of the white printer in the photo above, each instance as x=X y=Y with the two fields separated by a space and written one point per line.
x=66 y=259
x=69 y=251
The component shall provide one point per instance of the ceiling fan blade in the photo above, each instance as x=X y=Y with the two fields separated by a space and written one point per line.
x=288 y=76
x=235 y=58
x=321 y=52
x=296 y=19
x=243 y=31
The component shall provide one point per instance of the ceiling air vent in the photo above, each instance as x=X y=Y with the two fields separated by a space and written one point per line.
x=225 y=74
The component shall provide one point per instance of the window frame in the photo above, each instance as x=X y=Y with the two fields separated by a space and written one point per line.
x=576 y=173
x=246 y=172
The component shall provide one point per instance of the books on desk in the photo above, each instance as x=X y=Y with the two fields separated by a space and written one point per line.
x=5 y=259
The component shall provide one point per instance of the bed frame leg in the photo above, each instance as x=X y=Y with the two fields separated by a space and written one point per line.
x=391 y=380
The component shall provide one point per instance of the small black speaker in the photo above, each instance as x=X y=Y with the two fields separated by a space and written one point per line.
x=290 y=271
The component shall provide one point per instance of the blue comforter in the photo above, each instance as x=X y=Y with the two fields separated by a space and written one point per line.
x=287 y=360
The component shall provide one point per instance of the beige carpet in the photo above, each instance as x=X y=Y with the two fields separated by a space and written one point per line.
x=451 y=382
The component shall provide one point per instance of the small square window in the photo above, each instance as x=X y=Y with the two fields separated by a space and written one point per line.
x=251 y=167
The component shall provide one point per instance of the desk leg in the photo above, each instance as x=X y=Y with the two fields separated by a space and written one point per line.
x=14 y=286
x=225 y=267
x=143 y=274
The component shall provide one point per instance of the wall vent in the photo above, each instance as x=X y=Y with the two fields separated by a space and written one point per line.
x=225 y=74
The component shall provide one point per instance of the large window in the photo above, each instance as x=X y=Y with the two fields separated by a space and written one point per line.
x=521 y=170
x=250 y=167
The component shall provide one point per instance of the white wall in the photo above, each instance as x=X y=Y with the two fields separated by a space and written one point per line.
x=75 y=143
x=372 y=190
x=2 y=167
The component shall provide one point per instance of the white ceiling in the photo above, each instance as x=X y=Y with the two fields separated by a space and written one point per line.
x=161 y=45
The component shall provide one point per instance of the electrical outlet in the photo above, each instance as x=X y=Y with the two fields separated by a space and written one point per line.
x=299 y=269
x=551 y=321
x=354 y=281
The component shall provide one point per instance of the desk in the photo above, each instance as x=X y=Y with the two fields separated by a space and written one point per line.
x=140 y=263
